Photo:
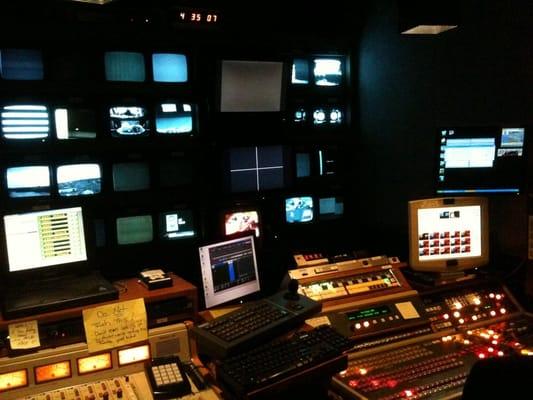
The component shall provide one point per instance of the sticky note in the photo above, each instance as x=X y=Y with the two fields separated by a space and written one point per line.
x=115 y=325
x=24 y=335
x=407 y=310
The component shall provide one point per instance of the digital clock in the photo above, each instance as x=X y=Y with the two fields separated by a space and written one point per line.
x=194 y=16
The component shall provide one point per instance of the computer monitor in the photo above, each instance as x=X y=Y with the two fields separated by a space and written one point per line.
x=79 y=179
x=481 y=159
x=124 y=66
x=127 y=121
x=25 y=122
x=448 y=235
x=28 y=181
x=239 y=221
x=229 y=271
x=41 y=239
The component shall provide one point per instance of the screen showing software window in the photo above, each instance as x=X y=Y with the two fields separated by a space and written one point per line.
x=44 y=238
x=229 y=270
x=449 y=232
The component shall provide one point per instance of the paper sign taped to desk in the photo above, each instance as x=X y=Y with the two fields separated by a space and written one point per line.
x=115 y=325
x=24 y=335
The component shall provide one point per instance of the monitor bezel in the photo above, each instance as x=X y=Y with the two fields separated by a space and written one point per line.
x=241 y=209
x=451 y=264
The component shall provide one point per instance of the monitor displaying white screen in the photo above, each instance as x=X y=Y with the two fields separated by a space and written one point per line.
x=134 y=229
x=174 y=118
x=44 y=238
x=75 y=123
x=25 y=122
x=169 y=67
x=448 y=234
x=128 y=121
x=327 y=71
x=28 y=181
x=299 y=209
x=177 y=224
x=229 y=270
x=241 y=221
x=251 y=86
x=79 y=179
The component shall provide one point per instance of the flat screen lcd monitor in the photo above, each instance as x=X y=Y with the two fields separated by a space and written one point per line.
x=176 y=225
x=28 y=181
x=229 y=270
x=327 y=71
x=21 y=64
x=135 y=229
x=169 y=67
x=131 y=176
x=256 y=168
x=481 y=160
x=251 y=86
x=174 y=119
x=448 y=234
x=79 y=179
x=299 y=209
x=25 y=122
x=44 y=238
x=241 y=221
x=75 y=123
x=124 y=66
x=128 y=121
x=300 y=72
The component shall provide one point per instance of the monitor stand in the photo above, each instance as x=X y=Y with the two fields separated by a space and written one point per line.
x=436 y=278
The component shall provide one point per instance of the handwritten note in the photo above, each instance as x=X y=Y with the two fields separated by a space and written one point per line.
x=115 y=325
x=24 y=335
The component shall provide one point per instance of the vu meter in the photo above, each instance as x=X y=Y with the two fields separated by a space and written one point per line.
x=94 y=363
x=13 y=380
x=51 y=372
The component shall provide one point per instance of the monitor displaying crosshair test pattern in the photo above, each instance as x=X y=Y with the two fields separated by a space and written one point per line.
x=481 y=159
x=448 y=234
x=229 y=270
x=44 y=238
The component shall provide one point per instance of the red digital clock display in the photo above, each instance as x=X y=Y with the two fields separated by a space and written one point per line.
x=198 y=16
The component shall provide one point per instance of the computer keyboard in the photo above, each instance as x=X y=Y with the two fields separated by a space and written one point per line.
x=316 y=351
x=251 y=324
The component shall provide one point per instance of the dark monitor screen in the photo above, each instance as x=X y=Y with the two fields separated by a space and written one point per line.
x=131 y=176
x=79 y=179
x=299 y=209
x=28 y=181
x=481 y=160
x=21 y=64
x=75 y=123
x=174 y=172
x=124 y=66
x=174 y=119
x=327 y=71
x=128 y=121
x=256 y=168
x=241 y=221
x=177 y=224
x=25 y=122
x=229 y=270
x=303 y=165
x=169 y=67
x=134 y=229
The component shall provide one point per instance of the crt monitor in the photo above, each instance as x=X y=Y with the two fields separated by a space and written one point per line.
x=41 y=239
x=448 y=234
x=25 y=122
x=481 y=159
x=239 y=221
x=229 y=270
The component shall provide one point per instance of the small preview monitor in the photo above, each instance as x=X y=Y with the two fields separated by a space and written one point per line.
x=448 y=234
x=75 y=123
x=229 y=270
x=251 y=86
x=299 y=209
x=169 y=67
x=21 y=64
x=299 y=116
x=28 y=181
x=481 y=160
x=124 y=66
x=79 y=179
x=327 y=71
x=327 y=116
x=175 y=118
x=131 y=176
x=25 y=122
x=134 y=229
x=44 y=238
x=256 y=168
x=300 y=71
x=126 y=121
x=303 y=165
x=241 y=221
x=330 y=207
x=177 y=224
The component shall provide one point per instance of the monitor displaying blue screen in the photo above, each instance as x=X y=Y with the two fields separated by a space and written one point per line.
x=174 y=118
x=169 y=67
x=299 y=209
x=79 y=179
x=75 y=123
x=25 y=122
x=124 y=66
x=177 y=224
x=300 y=72
x=303 y=165
x=131 y=176
x=327 y=71
x=135 y=229
x=21 y=64
x=28 y=181
x=330 y=207
x=256 y=168
x=128 y=121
